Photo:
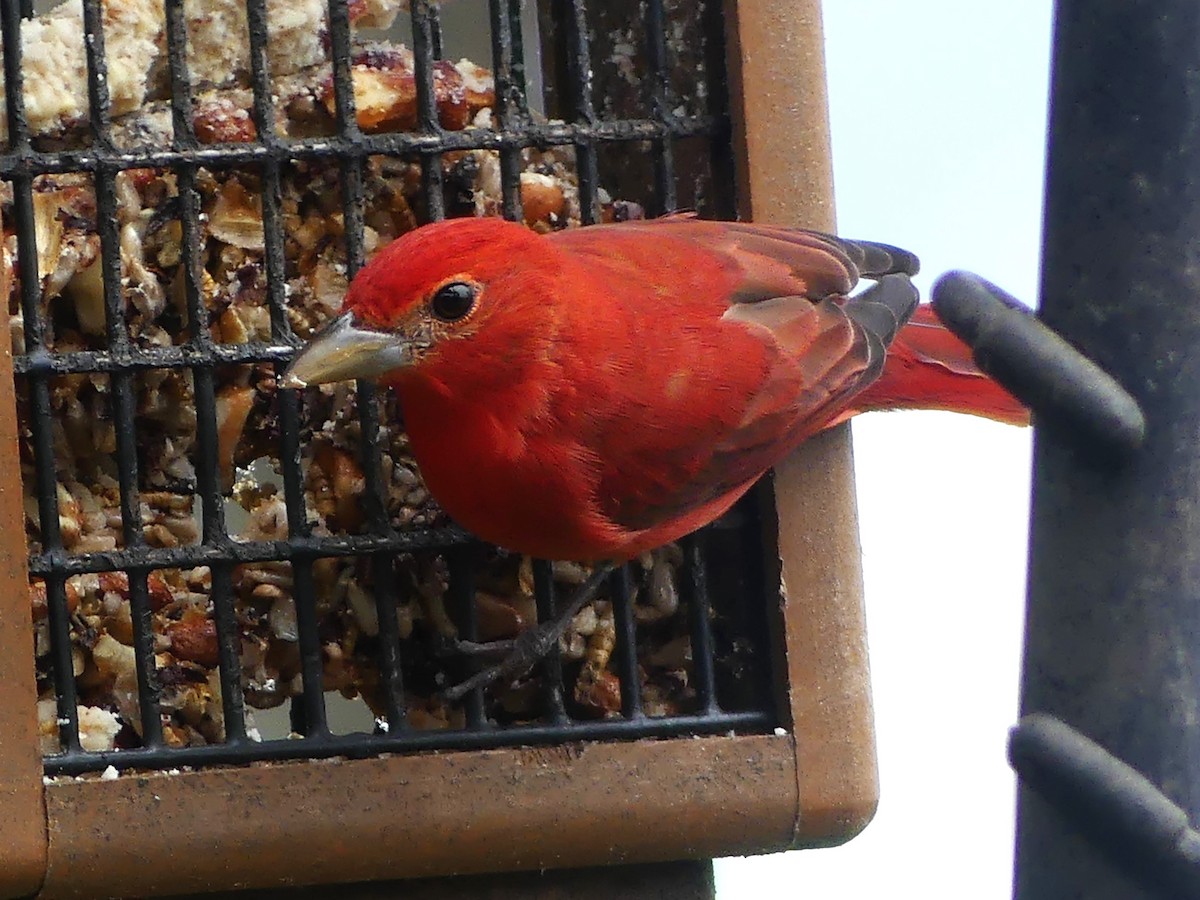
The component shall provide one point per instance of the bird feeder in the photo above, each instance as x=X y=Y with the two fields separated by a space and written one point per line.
x=222 y=601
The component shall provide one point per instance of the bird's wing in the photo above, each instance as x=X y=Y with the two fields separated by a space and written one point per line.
x=767 y=260
x=806 y=363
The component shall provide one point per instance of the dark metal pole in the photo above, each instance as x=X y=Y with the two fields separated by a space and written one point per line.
x=1113 y=627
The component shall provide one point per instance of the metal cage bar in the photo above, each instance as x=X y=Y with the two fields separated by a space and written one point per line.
x=511 y=111
x=123 y=404
x=356 y=746
x=461 y=595
x=213 y=528
x=123 y=360
x=660 y=102
x=626 y=647
x=52 y=563
x=532 y=134
x=579 y=69
x=695 y=592
x=426 y=49
x=544 y=595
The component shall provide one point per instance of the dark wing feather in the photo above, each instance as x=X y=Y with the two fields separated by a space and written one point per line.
x=770 y=261
x=798 y=246
x=821 y=356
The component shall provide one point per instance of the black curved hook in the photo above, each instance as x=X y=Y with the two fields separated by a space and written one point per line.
x=1042 y=370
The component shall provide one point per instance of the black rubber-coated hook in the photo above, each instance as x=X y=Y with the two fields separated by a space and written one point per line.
x=1108 y=802
x=1043 y=371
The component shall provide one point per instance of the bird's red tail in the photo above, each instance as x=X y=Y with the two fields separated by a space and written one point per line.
x=929 y=368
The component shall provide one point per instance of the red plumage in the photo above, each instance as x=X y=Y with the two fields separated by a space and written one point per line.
x=616 y=387
x=929 y=368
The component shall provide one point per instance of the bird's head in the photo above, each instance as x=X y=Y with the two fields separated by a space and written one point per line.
x=424 y=294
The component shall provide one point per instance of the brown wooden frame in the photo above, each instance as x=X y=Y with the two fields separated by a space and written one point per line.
x=813 y=783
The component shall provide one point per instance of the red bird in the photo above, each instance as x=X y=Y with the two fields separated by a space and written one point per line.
x=597 y=392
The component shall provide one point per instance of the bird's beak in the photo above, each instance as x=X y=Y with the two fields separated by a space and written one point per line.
x=343 y=351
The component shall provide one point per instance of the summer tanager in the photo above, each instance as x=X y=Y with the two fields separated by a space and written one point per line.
x=596 y=392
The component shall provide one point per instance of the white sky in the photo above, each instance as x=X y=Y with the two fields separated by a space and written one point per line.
x=938 y=110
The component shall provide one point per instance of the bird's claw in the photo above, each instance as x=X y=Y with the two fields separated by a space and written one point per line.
x=447 y=647
x=520 y=655
x=529 y=647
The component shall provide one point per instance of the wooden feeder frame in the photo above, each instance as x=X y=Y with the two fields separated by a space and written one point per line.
x=811 y=783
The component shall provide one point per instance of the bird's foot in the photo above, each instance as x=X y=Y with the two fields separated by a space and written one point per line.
x=454 y=647
x=524 y=651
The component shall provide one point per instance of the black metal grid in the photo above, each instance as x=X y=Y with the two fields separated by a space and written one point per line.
x=122 y=359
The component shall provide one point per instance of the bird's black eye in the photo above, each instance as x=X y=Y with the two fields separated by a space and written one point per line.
x=453 y=301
